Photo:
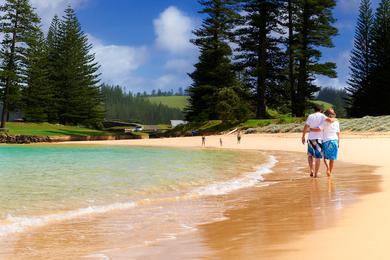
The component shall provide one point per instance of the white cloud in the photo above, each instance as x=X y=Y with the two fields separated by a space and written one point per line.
x=46 y=9
x=179 y=65
x=347 y=25
x=120 y=66
x=170 y=81
x=342 y=62
x=327 y=82
x=124 y=65
x=165 y=81
x=349 y=5
x=118 y=62
x=174 y=30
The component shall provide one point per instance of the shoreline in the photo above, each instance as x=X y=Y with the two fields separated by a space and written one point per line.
x=223 y=224
x=367 y=218
x=44 y=232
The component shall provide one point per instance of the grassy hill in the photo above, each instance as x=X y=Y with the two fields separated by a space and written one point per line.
x=324 y=104
x=46 y=129
x=179 y=102
x=182 y=101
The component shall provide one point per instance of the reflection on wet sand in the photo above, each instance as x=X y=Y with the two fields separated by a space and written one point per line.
x=276 y=215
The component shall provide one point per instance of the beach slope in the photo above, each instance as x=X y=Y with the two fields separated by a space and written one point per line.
x=363 y=230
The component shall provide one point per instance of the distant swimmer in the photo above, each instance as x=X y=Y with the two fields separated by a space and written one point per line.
x=238 y=137
x=220 y=142
x=203 y=141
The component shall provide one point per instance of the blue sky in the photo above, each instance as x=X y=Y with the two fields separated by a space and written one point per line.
x=144 y=45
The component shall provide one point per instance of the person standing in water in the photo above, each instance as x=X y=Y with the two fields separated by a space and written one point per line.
x=239 y=137
x=331 y=140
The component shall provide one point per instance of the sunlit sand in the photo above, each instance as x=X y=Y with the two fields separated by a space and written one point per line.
x=294 y=217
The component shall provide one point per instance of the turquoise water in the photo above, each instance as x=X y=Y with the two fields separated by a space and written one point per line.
x=41 y=180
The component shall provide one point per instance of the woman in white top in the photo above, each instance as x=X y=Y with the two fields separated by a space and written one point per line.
x=331 y=140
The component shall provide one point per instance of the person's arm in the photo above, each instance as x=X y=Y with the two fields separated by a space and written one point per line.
x=338 y=134
x=330 y=120
x=307 y=127
x=338 y=141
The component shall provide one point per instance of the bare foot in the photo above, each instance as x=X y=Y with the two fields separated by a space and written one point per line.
x=328 y=173
x=311 y=174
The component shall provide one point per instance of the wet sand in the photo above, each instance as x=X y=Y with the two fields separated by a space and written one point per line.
x=295 y=218
x=260 y=222
x=270 y=219
x=247 y=224
x=362 y=232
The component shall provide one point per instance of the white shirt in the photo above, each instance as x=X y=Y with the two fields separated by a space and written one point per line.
x=330 y=130
x=314 y=121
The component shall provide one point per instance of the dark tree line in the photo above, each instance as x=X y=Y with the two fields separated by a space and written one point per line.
x=163 y=93
x=369 y=84
x=52 y=79
x=274 y=64
x=125 y=106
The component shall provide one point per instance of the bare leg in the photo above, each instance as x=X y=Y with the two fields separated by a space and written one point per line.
x=310 y=161
x=327 y=168
x=317 y=167
x=331 y=164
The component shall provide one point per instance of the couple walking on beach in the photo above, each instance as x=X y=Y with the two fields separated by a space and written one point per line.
x=323 y=140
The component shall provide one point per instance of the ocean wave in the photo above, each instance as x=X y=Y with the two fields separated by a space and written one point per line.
x=248 y=180
x=19 y=224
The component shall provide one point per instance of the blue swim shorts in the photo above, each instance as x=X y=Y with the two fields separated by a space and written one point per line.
x=331 y=149
x=314 y=148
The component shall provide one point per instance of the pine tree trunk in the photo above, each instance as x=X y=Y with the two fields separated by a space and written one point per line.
x=10 y=66
x=302 y=74
x=291 y=58
x=262 y=71
x=5 y=107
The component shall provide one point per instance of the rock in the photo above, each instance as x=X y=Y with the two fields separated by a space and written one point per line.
x=22 y=139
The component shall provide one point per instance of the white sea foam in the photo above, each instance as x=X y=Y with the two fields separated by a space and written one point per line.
x=19 y=224
x=249 y=180
x=97 y=256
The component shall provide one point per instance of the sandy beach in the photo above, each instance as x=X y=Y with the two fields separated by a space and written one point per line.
x=360 y=233
x=295 y=217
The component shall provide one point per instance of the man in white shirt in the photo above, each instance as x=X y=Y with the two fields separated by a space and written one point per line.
x=314 y=142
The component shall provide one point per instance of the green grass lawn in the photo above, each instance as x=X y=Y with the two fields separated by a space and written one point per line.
x=324 y=104
x=171 y=101
x=46 y=129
